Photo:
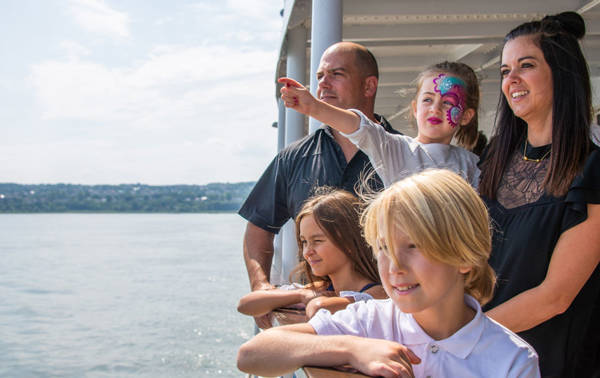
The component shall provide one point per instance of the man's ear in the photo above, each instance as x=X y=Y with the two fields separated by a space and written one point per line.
x=467 y=117
x=371 y=86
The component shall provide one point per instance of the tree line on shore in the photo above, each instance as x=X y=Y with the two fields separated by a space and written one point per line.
x=130 y=198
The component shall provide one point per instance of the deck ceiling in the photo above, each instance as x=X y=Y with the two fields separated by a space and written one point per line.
x=408 y=35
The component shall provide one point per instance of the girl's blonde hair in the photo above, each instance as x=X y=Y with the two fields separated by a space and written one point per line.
x=444 y=217
x=337 y=213
x=466 y=135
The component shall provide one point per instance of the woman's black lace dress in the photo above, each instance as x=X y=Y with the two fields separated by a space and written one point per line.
x=527 y=225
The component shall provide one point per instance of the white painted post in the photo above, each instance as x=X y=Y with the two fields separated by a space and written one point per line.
x=277 y=265
x=294 y=130
x=280 y=125
x=326 y=30
x=296 y=69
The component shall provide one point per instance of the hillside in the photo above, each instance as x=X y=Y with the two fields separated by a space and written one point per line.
x=136 y=198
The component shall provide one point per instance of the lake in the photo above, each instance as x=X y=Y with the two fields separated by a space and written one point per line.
x=144 y=295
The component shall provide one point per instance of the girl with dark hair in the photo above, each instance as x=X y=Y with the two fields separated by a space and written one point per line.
x=336 y=265
x=541 y=182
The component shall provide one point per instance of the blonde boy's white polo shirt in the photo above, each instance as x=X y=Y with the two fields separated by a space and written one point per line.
x=482 y=348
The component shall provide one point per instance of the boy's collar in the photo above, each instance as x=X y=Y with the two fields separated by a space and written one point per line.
x=460 y=344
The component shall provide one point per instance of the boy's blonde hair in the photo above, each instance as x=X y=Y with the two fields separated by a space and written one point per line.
x=444 y=217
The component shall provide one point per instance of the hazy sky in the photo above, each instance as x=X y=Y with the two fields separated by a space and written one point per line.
x=125 y=91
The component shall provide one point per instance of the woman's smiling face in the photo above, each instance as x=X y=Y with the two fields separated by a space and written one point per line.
x=526 y=80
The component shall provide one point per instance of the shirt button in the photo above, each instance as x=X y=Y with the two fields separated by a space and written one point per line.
x=434 y=348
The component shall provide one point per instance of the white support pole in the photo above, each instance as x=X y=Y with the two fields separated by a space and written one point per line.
x=277 y=264
x=280 y=125
x=294 y=130
x=325 y=31
x=296 y=69
x=289 y=256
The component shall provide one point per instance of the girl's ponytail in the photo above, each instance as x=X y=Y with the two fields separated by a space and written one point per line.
x=466 y=136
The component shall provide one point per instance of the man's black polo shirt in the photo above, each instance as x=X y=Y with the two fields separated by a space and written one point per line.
x=313 y=161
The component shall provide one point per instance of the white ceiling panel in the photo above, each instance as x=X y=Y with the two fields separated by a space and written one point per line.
x=408 y=35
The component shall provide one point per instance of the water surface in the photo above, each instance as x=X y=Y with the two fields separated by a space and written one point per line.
x=121 y=295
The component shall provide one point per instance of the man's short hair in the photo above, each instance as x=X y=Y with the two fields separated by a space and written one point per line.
x=366 y=62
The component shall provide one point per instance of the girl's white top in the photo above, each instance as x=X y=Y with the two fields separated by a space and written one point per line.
x=395 y=157
x=481 y=348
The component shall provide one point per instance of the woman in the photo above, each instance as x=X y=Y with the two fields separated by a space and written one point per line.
x=541 y=183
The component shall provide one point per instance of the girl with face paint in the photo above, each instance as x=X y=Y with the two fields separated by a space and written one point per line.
x=445 y=108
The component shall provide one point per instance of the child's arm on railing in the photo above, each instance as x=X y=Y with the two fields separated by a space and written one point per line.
x=297 y=97
x=334 y=304
x=260 y=302
x=284 y=349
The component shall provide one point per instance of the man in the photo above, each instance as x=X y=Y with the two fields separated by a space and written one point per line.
x=348 y=77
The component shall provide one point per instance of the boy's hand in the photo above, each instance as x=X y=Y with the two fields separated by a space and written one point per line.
x=383 y=358
x=296 y=96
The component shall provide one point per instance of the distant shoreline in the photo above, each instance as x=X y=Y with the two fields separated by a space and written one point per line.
x=123 y=198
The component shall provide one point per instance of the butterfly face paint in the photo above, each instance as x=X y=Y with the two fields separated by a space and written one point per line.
x=453 y=89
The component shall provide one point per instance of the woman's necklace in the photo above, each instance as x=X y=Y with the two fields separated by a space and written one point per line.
x=531 y=159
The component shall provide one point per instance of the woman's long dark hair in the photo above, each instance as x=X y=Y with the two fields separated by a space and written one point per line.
x=557 y=36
